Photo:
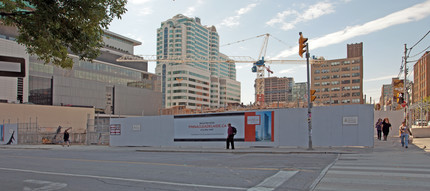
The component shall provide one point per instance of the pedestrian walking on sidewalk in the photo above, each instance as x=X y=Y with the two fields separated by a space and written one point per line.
x=386 y=126
x=231 y=131
x=404 y=134
x=378 y=127
x=66 y=137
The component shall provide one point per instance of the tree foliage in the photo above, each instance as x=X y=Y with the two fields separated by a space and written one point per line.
x=50 y=28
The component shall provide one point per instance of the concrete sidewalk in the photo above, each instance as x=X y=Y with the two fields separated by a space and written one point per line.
x=389 y=167
x=379 y=145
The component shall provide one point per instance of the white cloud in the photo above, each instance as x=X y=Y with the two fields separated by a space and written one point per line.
x=414 y=13
x=389 y=77
x=315 y=11
x=234 y=20
x=242 y=66
x=191 y=10
x=145 y=11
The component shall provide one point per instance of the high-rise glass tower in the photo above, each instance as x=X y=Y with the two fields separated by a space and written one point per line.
x=195 y=83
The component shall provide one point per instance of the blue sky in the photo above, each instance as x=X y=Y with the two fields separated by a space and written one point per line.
x=384 y=26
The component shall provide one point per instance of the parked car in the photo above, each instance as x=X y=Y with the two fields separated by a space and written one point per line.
x=421 y=122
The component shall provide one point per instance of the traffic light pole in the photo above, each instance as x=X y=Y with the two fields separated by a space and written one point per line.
x=309 y=100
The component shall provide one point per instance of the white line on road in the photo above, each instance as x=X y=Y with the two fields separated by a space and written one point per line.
x=123 y=179
x=50 y=186
x=274 y=181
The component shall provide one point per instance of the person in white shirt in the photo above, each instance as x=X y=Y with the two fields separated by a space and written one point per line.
x=404 y=134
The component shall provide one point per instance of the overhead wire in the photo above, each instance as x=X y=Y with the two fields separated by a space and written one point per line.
x=420 y=52
x=410 y=49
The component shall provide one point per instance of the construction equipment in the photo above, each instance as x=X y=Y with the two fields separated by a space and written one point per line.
x=259 y=65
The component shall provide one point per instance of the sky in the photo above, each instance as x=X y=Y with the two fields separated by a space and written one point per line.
x=383 y=26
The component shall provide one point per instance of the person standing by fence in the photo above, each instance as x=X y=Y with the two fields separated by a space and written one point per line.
x=231 y=131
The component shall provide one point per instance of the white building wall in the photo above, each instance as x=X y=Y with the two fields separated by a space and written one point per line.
x=291 y=129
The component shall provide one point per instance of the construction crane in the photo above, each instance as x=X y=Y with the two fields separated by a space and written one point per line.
x=259 y=66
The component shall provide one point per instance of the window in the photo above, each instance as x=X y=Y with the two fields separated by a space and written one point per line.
x=356 y=94
x=355 y=87
x=346 y=101
x=317 y=84
x=356 y=81
x=355 y=74
x=355 y=68
x=346 y=94
x=317 y=72
x=317 y=78
x=346 y=88
x=335 y=63
x=335 y=89
x=325 y=71
x=335 y=70
x=325 y=77
x=355 y=100
x=325 y=83
x=345 y=75
x=334 y=82
x=335 y=76
x=325 y=90
x=346 y=68
x=346 y=82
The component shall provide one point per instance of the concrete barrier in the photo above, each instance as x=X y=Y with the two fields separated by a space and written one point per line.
x=419 y=132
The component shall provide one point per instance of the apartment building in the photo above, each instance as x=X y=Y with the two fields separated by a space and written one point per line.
x=421 y=89
x=278 y=89
x=339 y=81
x=199 y=82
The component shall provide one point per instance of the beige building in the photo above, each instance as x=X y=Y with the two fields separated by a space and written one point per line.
x=340 y=81
x=278 y=89
x=197 y=84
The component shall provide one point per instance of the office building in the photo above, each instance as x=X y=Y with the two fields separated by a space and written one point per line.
x=199 y=82
x=111 y=87
x=339 y=81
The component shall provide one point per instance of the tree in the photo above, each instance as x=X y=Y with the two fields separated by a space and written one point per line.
x=52 y=28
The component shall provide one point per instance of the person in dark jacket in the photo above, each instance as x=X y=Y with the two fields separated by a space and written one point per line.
x=66 y=137
x=230 y=136
x=386 y=126
x=378 y=127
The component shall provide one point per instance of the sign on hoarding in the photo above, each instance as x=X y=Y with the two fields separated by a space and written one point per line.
x=115 y=129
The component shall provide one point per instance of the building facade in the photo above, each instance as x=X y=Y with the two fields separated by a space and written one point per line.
x=340 y=81
x=386 y=98
x=278 y=89
x=421 y=89
x=109 y=86
x=199 y=82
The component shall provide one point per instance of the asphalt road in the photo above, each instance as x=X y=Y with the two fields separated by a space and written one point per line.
x=48 y=170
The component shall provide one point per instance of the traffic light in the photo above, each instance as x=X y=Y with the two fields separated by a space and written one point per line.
x=400 y=98
x=312 y=95
x=302 y=44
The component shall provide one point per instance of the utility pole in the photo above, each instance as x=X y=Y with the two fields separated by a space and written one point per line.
x=404 y=87
x=303 y=47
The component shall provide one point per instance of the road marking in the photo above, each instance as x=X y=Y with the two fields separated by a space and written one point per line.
x=372 y=168
x=49 y=187
x=142 y=163
x=123 y=179
x=274 y=181
x=369 y=173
